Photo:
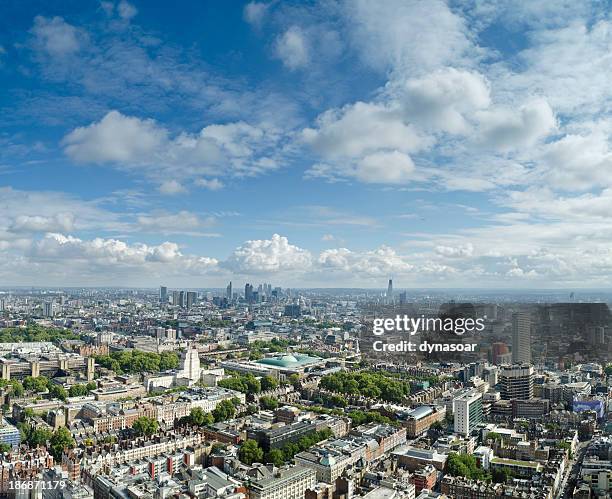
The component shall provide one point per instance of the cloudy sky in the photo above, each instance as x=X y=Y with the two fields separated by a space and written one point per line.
x=323 y=143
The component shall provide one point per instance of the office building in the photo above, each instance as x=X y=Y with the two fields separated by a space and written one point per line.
x=248 y=293
x=516 y=382
x=9 y=434
x=468 y=411
x=48 y=309
x=521 y=338
x=163 y=294
x=228 y=291
x=190 y=298
x=284 y=483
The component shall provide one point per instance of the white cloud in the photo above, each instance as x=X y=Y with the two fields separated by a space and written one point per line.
x=173 y=221
x=48 y=211
x=381 y=262
x=508 y=129
x=407 y=36
x=579 y=162
x=385 y=168
x=116 y=138
x=103 y=251
x=56 y=37
x=38 y=223
x=171 y=188
x=238 y=149
x=292 y=48
x=182 y=222
x=213 y=184
x=126 y=10
x=445 y=99
x=268 y=255
x=569 y=65
x=461 y=251
x=362 y=128
x=255 y=12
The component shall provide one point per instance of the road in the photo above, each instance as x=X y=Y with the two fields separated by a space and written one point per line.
x=571 y=473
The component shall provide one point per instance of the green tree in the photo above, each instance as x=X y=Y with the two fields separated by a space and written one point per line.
x=39 y=384
x=501 y=475
x=60 y=440
x=294 y=380
x=268 y=383
x=225 y=410
x=276 y=457
x=5 y=448
x=17 y=388
x=200 y=418
x=250 y=452
x=78 y=390
x=57 y=392
x=34 y=436
x=268 y=403
x=464 y=465
x=145 y=426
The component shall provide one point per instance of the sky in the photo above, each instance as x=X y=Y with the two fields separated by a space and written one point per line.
x=308 y=144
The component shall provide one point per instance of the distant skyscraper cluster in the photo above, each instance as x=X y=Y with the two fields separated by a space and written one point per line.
x=263 y=293
x=183 y=299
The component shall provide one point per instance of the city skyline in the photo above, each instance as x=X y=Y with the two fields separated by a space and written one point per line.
x=327 y=144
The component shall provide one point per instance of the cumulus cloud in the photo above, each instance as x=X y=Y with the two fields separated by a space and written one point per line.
x=116 y=138
x=381 y=262
x=135 y=144
x=391 y=167
x=508 y=129
x=445 y=99
x=359 y=129
x=268 y=255
x=292 y=48
x=579 y=162
x=461 y=251
x=103 y=251
x=56 y=37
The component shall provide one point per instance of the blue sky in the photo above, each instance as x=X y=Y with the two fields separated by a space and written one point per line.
x=322 y=143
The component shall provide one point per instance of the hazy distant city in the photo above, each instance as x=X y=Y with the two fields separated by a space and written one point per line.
x=261 y=391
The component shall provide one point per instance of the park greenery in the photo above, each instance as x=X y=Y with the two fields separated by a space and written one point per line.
x=136 y=361
x=367 y=384
x=244 y=383
x=35 y=333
